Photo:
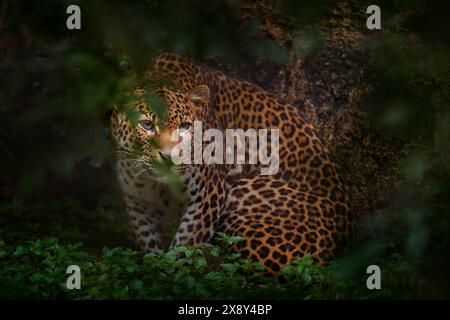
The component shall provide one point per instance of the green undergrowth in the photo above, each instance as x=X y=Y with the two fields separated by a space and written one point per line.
x=36 y=269
x=34 y=257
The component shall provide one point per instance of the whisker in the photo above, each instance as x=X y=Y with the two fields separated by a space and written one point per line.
x=125 y=153
x=139 y=162
x=140 y=172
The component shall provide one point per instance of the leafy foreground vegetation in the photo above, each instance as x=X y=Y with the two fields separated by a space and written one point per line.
x=57 y=86
x=36 y=268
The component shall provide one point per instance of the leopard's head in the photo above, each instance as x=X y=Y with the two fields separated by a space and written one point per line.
x=155 y=139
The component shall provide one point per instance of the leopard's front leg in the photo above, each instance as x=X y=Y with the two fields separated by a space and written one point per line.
x=194 y=229
x=147 y=202
x=207 y=197
x=145 y=220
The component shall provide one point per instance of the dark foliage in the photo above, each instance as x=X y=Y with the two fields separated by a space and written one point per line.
x=59 y=203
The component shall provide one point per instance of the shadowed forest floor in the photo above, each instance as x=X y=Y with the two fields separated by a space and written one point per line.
x=379 y=99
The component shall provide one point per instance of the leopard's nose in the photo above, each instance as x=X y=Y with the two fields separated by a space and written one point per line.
x=164 y=155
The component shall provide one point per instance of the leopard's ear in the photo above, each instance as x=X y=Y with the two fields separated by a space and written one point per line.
x=199 y=95
x=109 y=119
x=112 y=118
x=112 y=115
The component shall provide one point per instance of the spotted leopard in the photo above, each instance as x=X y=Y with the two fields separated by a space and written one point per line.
x=302 y=209
x=147 y=200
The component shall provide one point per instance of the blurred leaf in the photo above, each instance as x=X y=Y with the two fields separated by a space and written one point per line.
x=156 y=105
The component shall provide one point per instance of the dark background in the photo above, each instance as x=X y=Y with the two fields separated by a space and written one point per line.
x=378 y=98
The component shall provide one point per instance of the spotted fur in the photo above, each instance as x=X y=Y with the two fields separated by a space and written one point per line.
x=303 y=209
x=147 y=200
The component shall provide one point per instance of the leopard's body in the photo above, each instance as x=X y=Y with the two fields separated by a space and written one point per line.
x=302 y=209
x=147 y=201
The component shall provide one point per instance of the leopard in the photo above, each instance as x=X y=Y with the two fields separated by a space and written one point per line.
x=303 y=209
x=148 y=202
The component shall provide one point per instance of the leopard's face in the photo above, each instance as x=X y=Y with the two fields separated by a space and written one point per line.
x=155 y=142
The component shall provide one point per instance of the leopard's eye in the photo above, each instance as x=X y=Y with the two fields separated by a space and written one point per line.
x=185 y=126
x=147 y=125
